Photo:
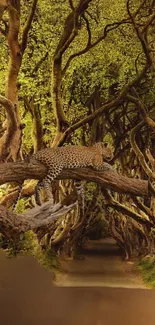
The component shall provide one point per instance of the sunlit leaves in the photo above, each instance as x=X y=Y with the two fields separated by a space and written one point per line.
x=116 y=59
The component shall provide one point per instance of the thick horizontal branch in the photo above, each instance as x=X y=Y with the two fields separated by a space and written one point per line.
x=108 y=177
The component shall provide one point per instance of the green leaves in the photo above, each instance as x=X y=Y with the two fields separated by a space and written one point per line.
x=116 y=59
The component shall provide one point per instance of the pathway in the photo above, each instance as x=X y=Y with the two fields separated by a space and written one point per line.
x=102 y=266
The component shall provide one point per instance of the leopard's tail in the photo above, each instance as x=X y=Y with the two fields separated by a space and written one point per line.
x=19 y=194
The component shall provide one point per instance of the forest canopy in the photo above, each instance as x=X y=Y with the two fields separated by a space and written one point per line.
x=80 y=72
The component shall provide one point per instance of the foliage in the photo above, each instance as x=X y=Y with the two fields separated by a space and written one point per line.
x=147 y=268
x=90 y=81
x=109 y=62
x=28 y=245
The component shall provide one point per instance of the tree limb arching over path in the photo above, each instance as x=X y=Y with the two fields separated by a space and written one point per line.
x=109 y=178
x=41 y=217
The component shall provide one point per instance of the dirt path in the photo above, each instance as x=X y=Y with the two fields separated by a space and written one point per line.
x=103 y=266
x=29 y=297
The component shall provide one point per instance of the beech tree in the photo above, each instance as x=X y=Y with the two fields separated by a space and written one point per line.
x=99 y=71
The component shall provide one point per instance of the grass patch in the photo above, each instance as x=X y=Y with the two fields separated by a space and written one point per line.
x=147 y=269
x=28 y=245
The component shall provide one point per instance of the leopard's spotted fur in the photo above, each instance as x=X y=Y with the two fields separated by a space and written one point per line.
x=69 y=157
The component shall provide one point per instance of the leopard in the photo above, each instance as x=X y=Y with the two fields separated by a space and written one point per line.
x=57 y=159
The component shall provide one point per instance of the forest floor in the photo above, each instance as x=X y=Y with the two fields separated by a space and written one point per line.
x=101 y=264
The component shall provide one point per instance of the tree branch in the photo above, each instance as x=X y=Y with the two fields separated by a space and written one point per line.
x=70 y=29
x=137 y=151
x=142 y=35
x=8 y=105
x=108 y=177
x=106 y=107
x=11 y=125
x=71 y=4
x=85 y=50
x=36 y=219
x=28 y=26
x=142 y=110
x=90 y=45
x=129 y=212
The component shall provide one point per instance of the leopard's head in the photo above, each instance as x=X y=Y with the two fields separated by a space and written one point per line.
x=107 y=150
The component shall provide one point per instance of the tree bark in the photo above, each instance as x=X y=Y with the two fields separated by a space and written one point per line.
x=37 y=219
x=11 y=91
x=10 y=142
x=108 y=177
x=69 y=33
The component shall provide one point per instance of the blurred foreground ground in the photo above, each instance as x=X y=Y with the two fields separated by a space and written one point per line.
x=29 y=297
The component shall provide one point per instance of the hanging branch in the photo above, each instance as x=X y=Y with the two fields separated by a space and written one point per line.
x=69 y=33
x=11 y=126
x=90 y=45
x=8 y=105
x=71 y=4
x=142 y=35
x=150 y=158
x=129 y=212
x=28 y=26
x=137 y=151
x=142 y=110
x=111 y=202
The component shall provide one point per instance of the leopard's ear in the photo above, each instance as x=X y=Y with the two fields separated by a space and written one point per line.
x=101 y=144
